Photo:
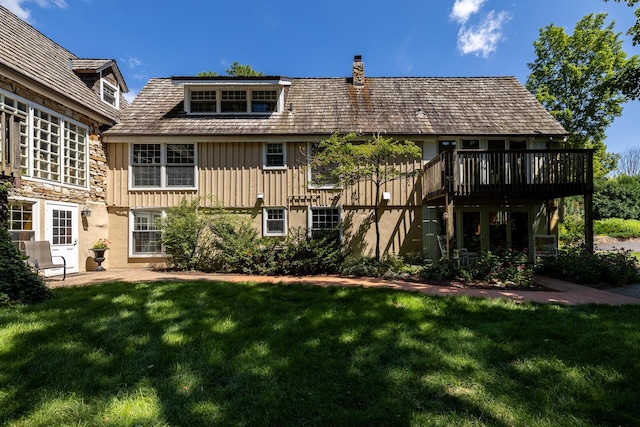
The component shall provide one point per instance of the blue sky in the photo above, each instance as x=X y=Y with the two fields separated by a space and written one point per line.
x=319 y=39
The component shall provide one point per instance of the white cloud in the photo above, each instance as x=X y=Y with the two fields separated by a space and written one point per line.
x=16 y=6
x=463 y=9
x=131 y=95
x=482 y=39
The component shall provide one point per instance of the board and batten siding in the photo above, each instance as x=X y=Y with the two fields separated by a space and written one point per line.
x=231 y=174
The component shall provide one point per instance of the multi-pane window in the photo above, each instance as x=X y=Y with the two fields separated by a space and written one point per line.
x=109 y=94
x=146 y=166
x=264 y=101
x=46 y=145
x=21 y=222
x=62 y=227
x=325 y=219
x=275 y=222
x=14 y=133
x=145 y=233
x=233 y=101
x=75 y=157
x=211 y=100
x=52 y=147
x=274 y=155
x=203 y=101
x=163 y=166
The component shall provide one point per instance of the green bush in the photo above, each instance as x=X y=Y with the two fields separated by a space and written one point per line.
x=617 y=227
x=576 y=265
x=185 y=236
x=571 y=229
x=498 y=268
x=18 y=283
x=303 y=254
x=235 y=245
x=390 y=266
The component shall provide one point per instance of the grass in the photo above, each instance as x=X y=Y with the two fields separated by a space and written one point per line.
x=212 y=353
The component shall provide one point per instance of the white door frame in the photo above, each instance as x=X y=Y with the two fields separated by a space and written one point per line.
x=68 y=250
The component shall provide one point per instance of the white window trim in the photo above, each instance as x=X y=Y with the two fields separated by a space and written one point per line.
x=35 y=211
x=310 y=210
x=132 y=229
x=265 y=217
x=163 y=167
x=219 y=88
x=30 y=143
x=284 y=156
x=116 y=95
x=310 y=183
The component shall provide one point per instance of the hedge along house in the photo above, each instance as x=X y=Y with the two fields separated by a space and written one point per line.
x=246 y=143
x=53 y=108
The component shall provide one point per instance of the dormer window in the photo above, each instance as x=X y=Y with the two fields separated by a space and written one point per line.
x=243 y=95
x=110 y=94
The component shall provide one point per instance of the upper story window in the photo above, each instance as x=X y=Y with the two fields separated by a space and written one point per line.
x=233 y=95
x=163 y=166
x=52 y=146
x=110 y=93
x=319 y=176
x=275 y=156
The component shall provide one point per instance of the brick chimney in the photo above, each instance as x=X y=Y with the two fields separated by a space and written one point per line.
x=358 y=71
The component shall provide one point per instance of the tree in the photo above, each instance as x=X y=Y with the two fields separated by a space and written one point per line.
x=378 y=160
x=629 y=81
x=629 y=163
x=235 y=70
x=575 y=77
x=617 y=197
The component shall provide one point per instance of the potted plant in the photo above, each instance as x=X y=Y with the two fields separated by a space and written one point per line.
x=99 y=248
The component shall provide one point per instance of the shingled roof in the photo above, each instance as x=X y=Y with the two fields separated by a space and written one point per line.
x=28 y=52
x=404 y=105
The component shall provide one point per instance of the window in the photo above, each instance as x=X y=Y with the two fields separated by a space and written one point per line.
x=145 y=233
x=325 y=219
x=470 y=144
x=21 y=222
x=264 y=101
x=62 y=233
x=110 y=93
x=274 y=155
x=163 y=166
x=52 y=147
x=320 y=177
x=233 y=101
x=275 y=222
x=203 y=101
x=227 y=100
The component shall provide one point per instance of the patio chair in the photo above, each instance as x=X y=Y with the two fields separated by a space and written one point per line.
x=460 y=255
x=40 y=257
x=545 y=246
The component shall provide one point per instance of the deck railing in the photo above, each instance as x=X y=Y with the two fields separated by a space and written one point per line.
x=475 y=173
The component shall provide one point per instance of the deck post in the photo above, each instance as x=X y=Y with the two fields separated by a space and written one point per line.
x=588 y=222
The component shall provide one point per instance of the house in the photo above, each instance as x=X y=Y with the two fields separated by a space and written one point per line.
x=491 y=159
x=54 y=107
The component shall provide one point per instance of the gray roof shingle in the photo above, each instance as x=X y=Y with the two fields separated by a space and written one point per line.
x=30 y=53
x=402 y=105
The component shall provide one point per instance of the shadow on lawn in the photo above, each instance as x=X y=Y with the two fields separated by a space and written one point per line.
x=196 y=353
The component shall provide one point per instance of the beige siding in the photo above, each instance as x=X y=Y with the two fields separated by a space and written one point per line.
x=232 y=174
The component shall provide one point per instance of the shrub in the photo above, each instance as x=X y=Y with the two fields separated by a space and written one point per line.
x=185 y=236
x=303 y=254
x=235 y=245
x=390 y=266
x=18 y=283
x=576 y=265
x=617 y=227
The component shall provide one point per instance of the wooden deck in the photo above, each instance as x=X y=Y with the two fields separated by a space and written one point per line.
x=522 y=174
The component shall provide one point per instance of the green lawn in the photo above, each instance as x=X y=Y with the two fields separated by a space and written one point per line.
x=204 y=353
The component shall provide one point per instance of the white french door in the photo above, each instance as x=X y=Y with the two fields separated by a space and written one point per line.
x=61 y=229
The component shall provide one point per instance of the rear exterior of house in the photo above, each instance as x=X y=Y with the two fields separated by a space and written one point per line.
x=491 y=160
x=54 y=107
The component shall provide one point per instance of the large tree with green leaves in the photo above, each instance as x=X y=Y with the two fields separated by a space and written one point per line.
x=348 y=160
x=630 y=80
x=575 y=76
x=235 y=70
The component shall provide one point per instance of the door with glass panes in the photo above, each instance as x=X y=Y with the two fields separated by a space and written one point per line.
x=61 y=230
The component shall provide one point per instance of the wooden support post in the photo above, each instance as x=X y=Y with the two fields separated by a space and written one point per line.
x=450 y=225
x=588 y=222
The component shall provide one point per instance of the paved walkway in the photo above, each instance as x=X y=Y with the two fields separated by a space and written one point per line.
x=561 y=292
